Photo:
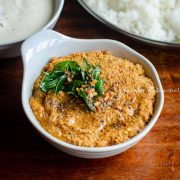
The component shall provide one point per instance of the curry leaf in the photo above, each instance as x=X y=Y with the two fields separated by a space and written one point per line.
x=61 y=66
x=87 y=65
x=89 y=102
x=96 y=72
x=74 y=66
x=83 y=75
x=99 y=87
x=60 y=81
x=73 y=79
x=48 y=83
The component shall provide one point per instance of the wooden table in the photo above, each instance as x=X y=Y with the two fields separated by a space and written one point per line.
x=25 y=155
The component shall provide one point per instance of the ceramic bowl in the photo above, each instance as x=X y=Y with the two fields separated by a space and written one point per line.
x=36 y=53
x=10 y=50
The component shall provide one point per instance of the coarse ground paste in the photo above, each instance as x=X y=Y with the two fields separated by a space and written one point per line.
x=122 y=112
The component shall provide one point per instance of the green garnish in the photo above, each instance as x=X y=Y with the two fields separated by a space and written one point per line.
x=83 y=82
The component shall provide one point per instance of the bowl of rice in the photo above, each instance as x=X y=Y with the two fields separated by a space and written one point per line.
x=154 y=22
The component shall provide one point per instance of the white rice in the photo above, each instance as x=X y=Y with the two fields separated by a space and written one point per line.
x=153 y=19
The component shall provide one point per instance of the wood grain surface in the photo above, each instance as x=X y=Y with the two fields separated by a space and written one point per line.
x=25 y=155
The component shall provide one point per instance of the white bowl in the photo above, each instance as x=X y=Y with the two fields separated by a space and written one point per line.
x=9 y=50
x=36 y=53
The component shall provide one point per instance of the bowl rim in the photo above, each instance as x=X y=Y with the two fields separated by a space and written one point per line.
x=49 y=23
x=127 y=143
x=129 y=34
